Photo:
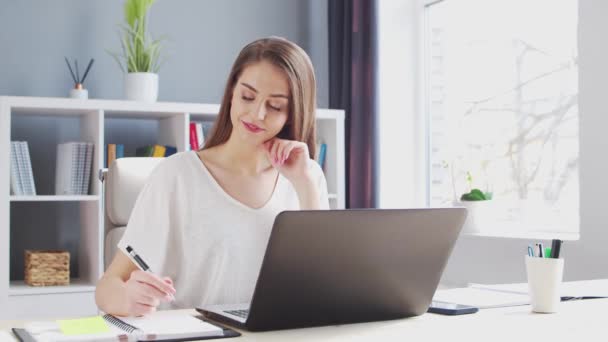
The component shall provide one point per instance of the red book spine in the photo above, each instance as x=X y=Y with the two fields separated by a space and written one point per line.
x=193 y=137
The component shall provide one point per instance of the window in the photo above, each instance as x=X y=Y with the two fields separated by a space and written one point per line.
x=501 y=99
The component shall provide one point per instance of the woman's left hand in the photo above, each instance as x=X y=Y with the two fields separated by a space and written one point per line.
x=290 y=158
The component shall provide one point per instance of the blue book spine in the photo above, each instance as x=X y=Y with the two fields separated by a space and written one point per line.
x=169 y=150
x=322 y=153
x=120 y=151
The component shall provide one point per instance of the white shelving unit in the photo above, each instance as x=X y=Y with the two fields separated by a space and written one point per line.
x=82 y=215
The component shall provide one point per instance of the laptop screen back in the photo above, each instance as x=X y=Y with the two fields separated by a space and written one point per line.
x=346 y=266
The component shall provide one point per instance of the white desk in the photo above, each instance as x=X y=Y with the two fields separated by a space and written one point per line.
x=575 y=320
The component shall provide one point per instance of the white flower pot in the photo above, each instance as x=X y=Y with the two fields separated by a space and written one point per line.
x=480 y=216
x=141 y=86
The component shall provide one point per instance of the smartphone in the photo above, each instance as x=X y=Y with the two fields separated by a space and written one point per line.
x=444 y=308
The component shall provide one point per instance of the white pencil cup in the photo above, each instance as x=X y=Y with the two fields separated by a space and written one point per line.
x=544 y=281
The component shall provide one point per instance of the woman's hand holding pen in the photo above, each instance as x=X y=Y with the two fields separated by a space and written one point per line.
x=145 y=291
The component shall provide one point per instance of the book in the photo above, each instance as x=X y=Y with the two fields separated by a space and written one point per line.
x=61 y=170
x=155 y=151
x=170 y=150
x=87 y=168
x=200 y=135
x=144 y=151
x=322 y=154
x=120 y=151
x=73 y=168
x=158 y=151
x=29 y=188
x=159 y=326
x=111 y=154
x=193 y=137
x=16 y=183
x=82 y=153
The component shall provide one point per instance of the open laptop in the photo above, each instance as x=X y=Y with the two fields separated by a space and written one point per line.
x=345 y=266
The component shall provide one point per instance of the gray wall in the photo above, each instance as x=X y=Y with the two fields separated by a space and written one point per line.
x=204 y=37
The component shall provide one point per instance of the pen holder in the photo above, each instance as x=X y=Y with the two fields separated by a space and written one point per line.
x=544 y=280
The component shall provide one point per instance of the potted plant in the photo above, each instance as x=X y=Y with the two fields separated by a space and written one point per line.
x=479 y=208
x=140 y=53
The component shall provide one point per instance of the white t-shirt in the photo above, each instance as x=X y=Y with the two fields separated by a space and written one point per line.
x=186 y=227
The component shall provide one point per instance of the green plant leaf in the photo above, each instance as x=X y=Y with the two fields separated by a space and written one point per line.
x=478 y=193
x=139 y=52
x=470 y=197
x=474 y=195
x=117 y=59
x=136 y=10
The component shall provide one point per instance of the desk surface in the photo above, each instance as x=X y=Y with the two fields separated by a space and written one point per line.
x=575 y=319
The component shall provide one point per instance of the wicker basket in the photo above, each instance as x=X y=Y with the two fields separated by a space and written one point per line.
x=46 y=267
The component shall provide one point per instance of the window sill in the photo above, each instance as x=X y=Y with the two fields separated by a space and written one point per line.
x=522 y=234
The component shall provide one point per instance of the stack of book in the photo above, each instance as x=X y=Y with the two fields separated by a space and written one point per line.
x=198 y=132
x=22 y=177
x=73 y=168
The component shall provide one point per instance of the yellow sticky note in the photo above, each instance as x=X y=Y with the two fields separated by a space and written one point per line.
x=83 y=326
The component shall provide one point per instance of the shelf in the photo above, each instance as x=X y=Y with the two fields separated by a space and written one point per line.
x=68 y=106
x=55 y=198
x=19 y=288
x=203 y=117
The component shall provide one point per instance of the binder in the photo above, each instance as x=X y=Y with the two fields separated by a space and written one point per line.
x=16 y=183
x=90 y=147
x=25 y=168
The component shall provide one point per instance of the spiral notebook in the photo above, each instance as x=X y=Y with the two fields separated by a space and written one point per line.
x=160 y=326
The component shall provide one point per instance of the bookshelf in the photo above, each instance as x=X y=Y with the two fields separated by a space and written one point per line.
x=76 y=222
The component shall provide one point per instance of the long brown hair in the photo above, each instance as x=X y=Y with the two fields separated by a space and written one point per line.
x=295 y=63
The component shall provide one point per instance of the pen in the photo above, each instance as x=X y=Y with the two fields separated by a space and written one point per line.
x=530 y=251
x=556 y=245
x=539 y=247
x=141 y=263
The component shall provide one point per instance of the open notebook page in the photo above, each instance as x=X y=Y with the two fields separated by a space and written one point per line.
x=164 y=325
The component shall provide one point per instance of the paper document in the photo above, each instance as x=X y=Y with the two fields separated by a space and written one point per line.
x=486 y=296
x=481 y=298
x=583 y=288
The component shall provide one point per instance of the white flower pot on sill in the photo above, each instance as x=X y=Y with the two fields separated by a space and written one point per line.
x=480 y=216
x=141 y=86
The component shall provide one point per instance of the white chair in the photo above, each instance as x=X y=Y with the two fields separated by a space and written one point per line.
x=123 y=182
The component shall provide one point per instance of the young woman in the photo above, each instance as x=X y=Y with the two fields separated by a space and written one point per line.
x=203 y=219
